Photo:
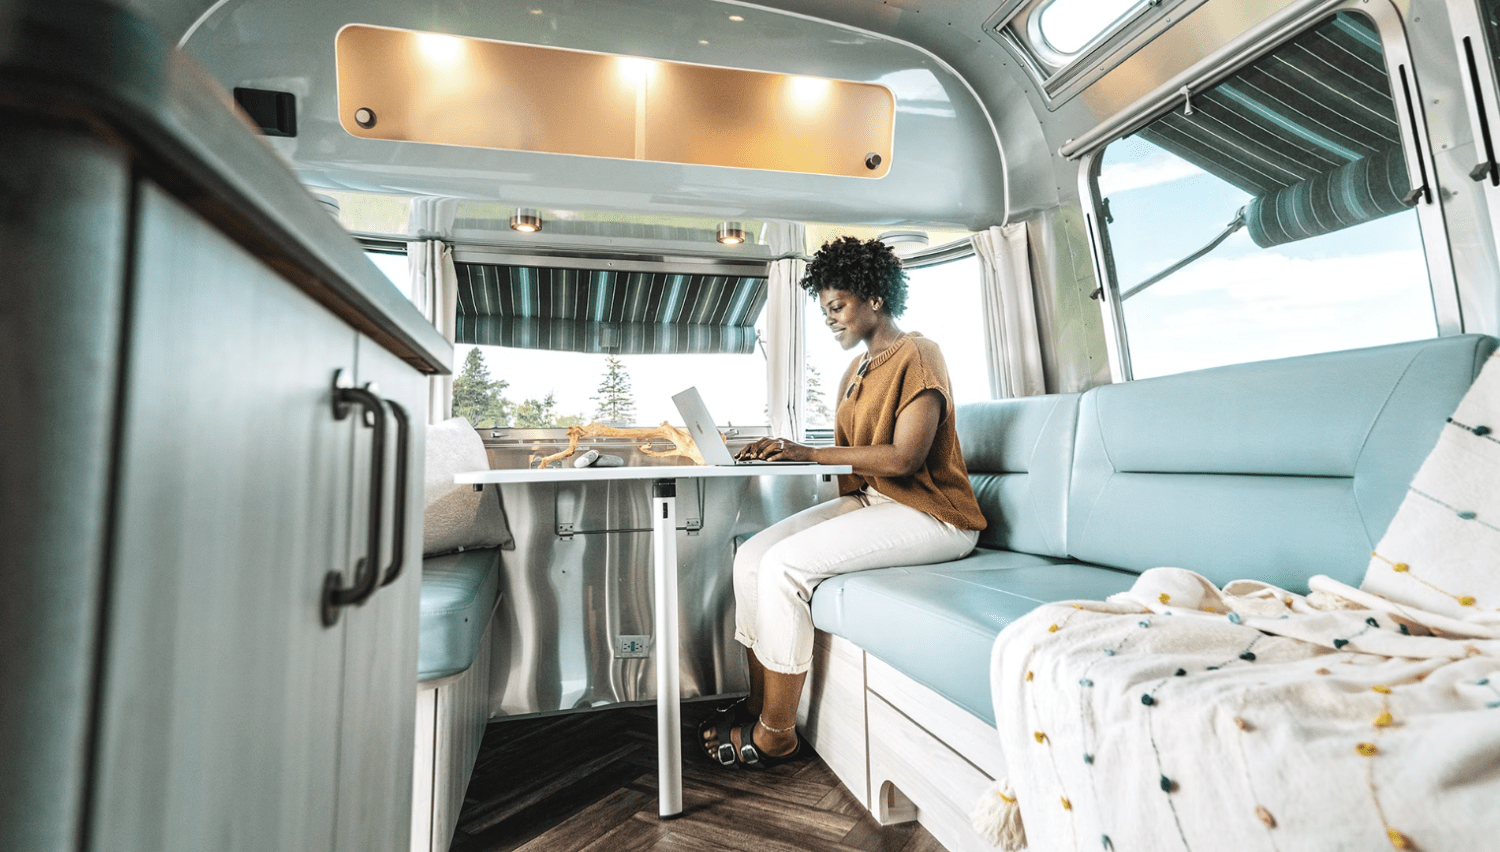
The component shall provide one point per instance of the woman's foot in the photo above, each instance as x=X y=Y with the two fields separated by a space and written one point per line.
x=724 y=718
x=768 y=747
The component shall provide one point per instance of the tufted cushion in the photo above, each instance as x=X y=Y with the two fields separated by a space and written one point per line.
x=456 y=517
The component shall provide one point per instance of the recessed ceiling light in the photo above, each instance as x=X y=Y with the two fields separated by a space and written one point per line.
x=703 y=41
x=526 y=220
x=904 y=243
x=536 y=11
x=736 y=18
x=732 y=234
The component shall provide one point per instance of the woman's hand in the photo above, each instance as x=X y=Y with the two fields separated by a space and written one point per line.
x=775 y=449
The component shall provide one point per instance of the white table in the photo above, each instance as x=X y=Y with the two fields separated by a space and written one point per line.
x=664 y=550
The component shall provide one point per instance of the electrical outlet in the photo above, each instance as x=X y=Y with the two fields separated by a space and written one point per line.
x=632 y=646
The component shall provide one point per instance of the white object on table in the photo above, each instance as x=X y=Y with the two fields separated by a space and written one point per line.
x=664 y=552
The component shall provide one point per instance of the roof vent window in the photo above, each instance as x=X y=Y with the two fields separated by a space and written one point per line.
x=1068 y=26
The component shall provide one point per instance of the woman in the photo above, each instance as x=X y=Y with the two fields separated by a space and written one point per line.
x=908 y=501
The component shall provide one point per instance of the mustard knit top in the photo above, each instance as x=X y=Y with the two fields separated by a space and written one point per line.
x=867 y=416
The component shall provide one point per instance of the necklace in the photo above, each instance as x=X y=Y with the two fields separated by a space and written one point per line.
x=864 y=366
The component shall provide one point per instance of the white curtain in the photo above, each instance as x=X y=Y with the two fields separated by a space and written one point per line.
x=786 y=303
x=434 y=286
x=1010 y=328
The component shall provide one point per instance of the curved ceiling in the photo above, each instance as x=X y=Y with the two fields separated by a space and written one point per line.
x=946 y=169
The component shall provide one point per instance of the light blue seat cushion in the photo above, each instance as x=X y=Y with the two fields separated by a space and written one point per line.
x=936 y=623
x=1019 y=452
x=1274 y=470
x=459 y=591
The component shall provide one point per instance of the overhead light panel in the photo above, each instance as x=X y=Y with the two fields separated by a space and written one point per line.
x=526 y=220
x=731 y=234
x=782 y=122
x=904 y=243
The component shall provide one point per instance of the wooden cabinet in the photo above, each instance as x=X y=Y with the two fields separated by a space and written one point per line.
x=175 y=487
x=232 y=717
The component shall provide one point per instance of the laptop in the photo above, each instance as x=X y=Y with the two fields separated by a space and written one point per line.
x=706 y=435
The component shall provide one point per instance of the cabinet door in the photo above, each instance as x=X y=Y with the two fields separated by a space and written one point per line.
x=221 y=694
x=380 y=661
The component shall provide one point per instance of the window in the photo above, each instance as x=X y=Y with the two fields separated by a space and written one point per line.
x=943 y=303
x=1068 y=26
x=540 y=388
x=544 y=346
x=1275 y=219
x=395 y=267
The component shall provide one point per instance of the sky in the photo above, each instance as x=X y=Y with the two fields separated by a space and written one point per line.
x=1362 y=286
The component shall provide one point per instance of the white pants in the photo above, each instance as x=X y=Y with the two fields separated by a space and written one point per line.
x=776 y=571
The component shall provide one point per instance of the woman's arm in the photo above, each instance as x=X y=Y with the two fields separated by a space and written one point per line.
x=916 y=427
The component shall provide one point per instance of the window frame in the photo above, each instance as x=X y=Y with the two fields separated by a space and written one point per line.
x=1174 y=94
x=1016 y=25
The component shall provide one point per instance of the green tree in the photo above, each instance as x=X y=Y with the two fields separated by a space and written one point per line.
x=536 y=413
x=478 y=398
x=817 y=412
x=614 y=401
x=542 y=414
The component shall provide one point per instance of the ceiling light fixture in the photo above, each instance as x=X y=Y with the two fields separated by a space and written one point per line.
x=731 y=234
x=904 y=243
x=329 y=203
x=526 y=220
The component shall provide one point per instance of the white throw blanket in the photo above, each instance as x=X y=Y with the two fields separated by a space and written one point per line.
x=1264 y=724
x=1181 y=716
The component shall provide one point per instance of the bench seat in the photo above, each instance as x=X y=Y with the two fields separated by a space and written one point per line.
x=900 y=615
x=1274 y=470
x=459 y=591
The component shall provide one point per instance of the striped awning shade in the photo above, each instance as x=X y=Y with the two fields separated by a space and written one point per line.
x=617 y=338
x=1295 y=117
x=580 y=310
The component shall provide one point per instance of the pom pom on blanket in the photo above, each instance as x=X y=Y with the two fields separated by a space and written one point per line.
x=997 y=817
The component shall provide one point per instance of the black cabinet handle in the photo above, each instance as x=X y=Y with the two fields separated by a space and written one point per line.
x=366 y=571
x=398 y=518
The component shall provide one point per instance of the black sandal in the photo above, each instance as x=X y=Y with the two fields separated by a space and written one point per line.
x=751 y=757
x=723 y=753
x=724 y=718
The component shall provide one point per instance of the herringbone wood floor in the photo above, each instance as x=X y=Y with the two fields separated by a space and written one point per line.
x=587 y=781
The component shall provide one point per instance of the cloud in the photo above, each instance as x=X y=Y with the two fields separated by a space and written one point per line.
x=1271 y=278
x=1268 y=305
x=1154 y=170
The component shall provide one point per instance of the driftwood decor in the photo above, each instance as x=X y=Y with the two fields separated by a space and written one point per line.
x=681 y=441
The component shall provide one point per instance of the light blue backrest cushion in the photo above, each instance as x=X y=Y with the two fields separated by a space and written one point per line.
x=1275 y=470
x=1018 y=452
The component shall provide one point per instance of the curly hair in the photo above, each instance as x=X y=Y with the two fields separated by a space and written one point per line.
x=866 y=268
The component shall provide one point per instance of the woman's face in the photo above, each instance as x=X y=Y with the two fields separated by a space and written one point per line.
x=850 y=318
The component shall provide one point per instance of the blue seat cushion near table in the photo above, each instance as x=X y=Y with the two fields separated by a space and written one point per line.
x=459 y=591
x=901 y=615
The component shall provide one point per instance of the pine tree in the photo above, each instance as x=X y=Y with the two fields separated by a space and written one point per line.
x=478 y=398
x=536 y=413
x=817 y=412
x=614 y=402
